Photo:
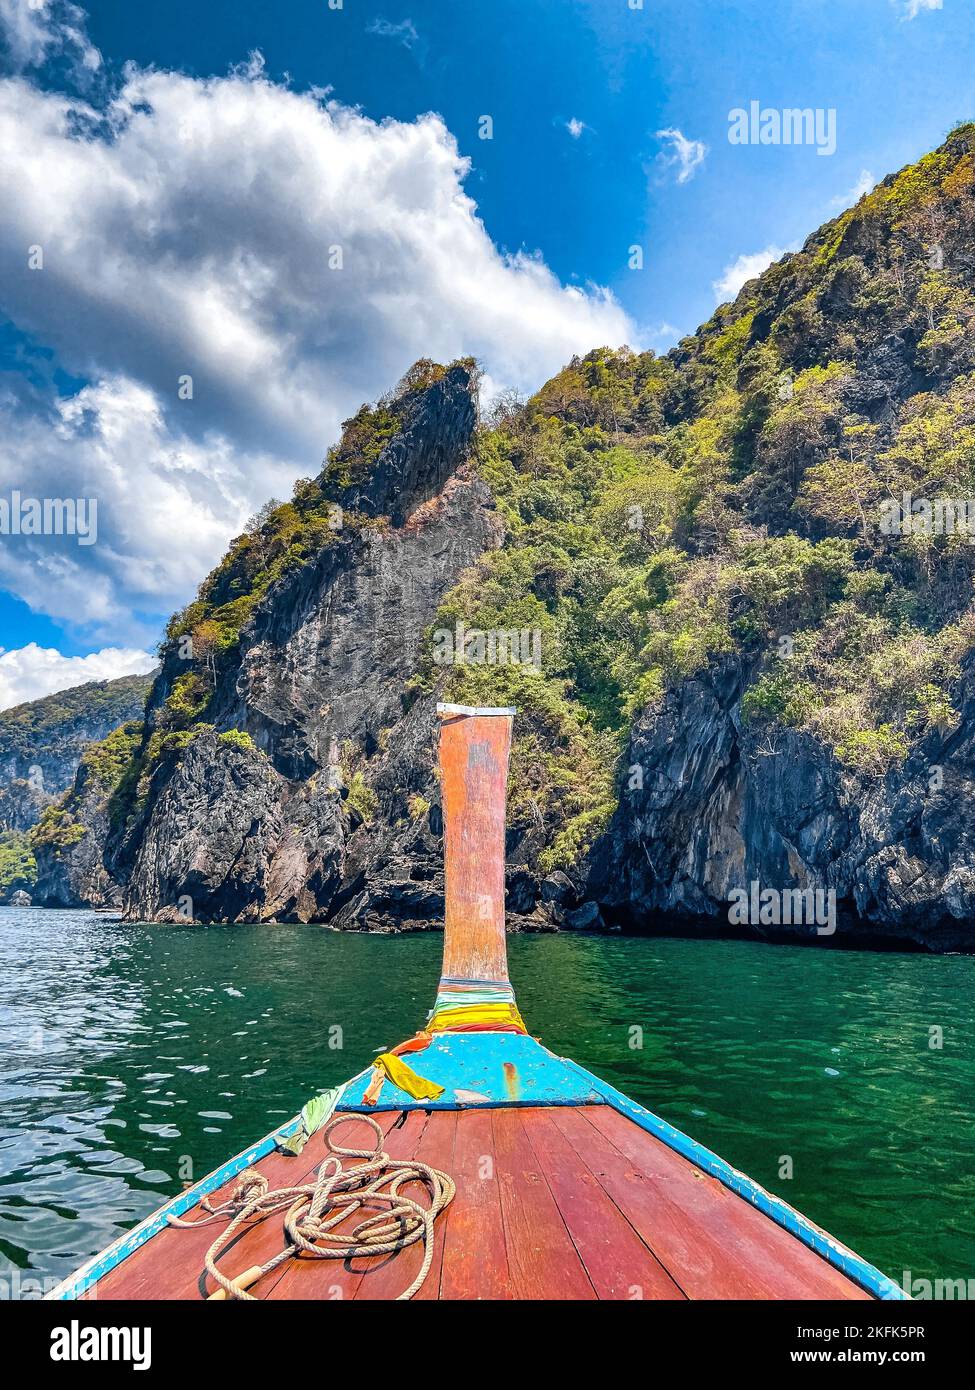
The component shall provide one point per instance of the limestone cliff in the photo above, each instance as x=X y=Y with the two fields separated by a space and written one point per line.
x=41 y=742
x=720 y=586
x=262 y=789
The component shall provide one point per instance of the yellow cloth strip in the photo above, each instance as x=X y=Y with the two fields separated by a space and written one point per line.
x=406 y=1078
x=445 y=1019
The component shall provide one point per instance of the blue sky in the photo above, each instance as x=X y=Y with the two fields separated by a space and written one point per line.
x=898 y=86
x=191 y=235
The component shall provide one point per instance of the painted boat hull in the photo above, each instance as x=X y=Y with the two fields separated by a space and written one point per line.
x=519 y=1088
x=565 y=1187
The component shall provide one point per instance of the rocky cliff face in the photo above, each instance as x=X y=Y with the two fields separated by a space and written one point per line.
x=41 y=742
x=710 y=806
x=71 y=872
x=735 y=676
x=278 y=800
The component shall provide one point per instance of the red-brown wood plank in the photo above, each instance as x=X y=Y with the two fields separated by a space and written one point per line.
x=735 y=1250
x=661 y=1225
x=543 y=1262
x=618 y=1263
x=475 y=1259
x=170 y=1264
x=310 y=1278
x=561 y=1202
x=386 y=1278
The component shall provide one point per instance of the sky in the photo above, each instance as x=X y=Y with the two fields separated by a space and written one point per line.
x=225 y=226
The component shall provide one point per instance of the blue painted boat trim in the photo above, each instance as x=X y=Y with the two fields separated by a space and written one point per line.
x=866 y=1275
x=89 y=1274
x=498 y=1070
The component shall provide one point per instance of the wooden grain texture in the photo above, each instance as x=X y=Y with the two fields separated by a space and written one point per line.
x=618 y=1263
x=553 y=1202
x=747 y=1252
x=693 y=1256
x=475 y=1262
x=474 y=752
x=542 y=1260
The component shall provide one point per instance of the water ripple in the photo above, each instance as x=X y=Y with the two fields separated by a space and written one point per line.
x=122 y=1078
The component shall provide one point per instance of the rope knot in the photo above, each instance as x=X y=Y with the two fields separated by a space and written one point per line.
x=314 y=1212
x=251 y=1188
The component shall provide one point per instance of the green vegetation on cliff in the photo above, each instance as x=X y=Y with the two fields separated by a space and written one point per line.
x=25 y=726
x=726 y=500
x=724 y=503
x=18 y=868
x=103 y=768
x=104 y=764
x=57 y=830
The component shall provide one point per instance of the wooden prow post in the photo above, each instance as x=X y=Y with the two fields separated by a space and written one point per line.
x=475 y=747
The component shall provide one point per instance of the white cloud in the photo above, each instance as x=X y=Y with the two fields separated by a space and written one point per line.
x=575 y=127
x=405 y=32
x=664 y=336
x=864 y=184
x=912 y=8
x=166 y=505
x=33 y=671
x=31 y=31
x=745 y=268
x=188 y=229
x=687 y=155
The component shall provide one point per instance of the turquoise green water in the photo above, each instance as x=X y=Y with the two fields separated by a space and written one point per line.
x=133 y=1059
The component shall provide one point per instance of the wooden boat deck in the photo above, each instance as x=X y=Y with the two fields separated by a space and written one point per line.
x=566 y=1189
x=553 y=1202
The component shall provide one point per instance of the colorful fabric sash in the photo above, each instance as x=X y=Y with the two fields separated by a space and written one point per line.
x=475 y=1006
x=463 y=1006
x=388 y=1064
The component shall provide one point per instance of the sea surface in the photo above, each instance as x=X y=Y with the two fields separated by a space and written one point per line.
x=134 y=1059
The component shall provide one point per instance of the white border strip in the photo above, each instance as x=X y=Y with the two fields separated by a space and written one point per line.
x=471 y=709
